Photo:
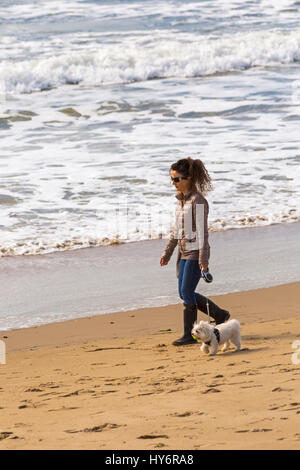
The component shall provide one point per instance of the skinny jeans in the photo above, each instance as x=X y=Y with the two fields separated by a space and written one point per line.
x=189 y=274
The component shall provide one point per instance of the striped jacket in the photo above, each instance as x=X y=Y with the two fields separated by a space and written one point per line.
x=190 y=231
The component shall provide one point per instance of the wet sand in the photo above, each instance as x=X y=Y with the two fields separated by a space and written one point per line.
x=116 y=382
x=60 y=286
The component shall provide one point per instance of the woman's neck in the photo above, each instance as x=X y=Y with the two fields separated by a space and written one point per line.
x=186 y=192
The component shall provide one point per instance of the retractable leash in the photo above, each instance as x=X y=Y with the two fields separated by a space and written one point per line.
x=207 y=308
x=207 y=278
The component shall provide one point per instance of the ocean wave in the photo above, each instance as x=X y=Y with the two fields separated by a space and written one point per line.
x=41 y=247
x=105 y=64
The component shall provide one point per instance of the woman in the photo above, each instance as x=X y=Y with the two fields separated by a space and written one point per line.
x=191 y=181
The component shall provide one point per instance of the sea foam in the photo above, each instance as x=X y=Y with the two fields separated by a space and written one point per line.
x=178 y=56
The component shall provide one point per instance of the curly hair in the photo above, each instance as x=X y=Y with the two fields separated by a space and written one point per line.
x=200 y=179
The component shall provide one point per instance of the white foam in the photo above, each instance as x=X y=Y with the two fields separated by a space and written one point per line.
x=102 y=64
x=60 y=173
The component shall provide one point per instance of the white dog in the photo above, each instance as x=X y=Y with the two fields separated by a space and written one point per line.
x=213 y=337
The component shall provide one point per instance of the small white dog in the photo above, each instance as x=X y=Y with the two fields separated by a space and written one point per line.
x=212 y=337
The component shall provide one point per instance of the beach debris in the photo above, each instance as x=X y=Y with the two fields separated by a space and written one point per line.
x=153 y=436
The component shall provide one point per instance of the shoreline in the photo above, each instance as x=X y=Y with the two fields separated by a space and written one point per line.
x=74 y=246
x=265 y=304
x=37 y=290
x=115 y=242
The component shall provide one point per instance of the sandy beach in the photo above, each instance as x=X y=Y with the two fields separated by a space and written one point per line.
x=116 y=382
x=99 y=99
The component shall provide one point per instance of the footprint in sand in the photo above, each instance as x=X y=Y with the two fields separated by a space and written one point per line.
x=28 y=404
x=5 y=435
x=65 y=408
x=33 y=390
x=253 y=430
x=182 y=415
x=153 y=436
x=279 y=389
x=295 y=406
x=211 y=390
x=99 y=428
x=75 y=393
x=49 y=385
x=261 y=430
x=107 y=349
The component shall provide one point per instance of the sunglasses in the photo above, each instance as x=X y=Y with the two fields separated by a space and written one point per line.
x=177 y=179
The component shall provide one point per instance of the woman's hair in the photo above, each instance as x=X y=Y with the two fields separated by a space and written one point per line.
x=200 y=179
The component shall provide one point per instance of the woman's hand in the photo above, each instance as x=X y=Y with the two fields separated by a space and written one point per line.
x=163 y=262
x=204 y=267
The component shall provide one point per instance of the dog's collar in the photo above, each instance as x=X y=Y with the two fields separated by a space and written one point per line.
x=217 y=333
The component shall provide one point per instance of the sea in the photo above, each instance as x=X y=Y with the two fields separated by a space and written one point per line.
x=98 y=98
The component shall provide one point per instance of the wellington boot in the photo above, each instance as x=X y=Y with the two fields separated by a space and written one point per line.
x=189 y=318
x=217 y=313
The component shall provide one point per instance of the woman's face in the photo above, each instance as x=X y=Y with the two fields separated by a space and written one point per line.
x=182 y=185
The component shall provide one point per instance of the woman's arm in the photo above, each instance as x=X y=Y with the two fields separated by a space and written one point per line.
x=204 y=251
x=202 y=230
x=171 y=245
x=173 y=240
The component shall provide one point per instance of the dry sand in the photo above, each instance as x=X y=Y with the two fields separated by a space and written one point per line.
x=116 y=382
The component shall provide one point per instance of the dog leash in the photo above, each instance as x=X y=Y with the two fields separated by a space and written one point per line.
x=207 y=308
x=216 y=331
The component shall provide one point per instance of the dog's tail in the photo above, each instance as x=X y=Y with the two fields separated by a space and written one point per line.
x=235 y=323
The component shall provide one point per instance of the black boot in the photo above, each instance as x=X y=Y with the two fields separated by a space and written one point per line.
x=217 y=313
x=189 y=318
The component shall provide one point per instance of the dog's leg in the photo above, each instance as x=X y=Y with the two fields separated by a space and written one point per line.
x=237 y=341
x=213 y=347
x=204 y=348
x=226 y=346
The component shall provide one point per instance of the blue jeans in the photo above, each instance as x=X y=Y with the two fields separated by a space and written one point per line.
x=189 y=274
